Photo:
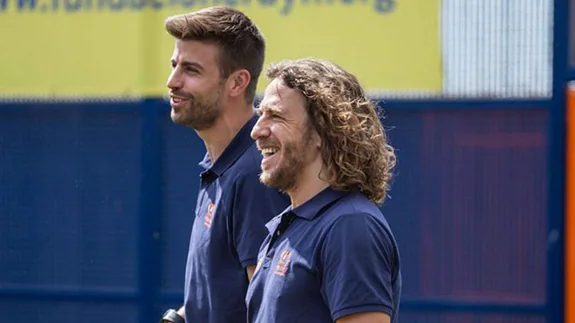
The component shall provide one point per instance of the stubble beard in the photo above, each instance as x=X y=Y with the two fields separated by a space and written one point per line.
x=287 y=173
x=199 y=114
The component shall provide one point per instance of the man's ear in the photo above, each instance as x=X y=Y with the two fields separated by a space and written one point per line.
x=316 y=139
x=238 y=82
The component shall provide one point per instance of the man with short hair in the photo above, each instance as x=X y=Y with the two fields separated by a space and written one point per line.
x=217 y=59
x=331 y=256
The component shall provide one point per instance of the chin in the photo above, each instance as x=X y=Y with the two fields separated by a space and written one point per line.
x=272 y=180
x=268 y=179
x=178 y=118
x=265 y=177
x=174 y=115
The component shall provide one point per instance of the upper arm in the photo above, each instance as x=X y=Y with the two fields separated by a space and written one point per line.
x=254 y=204
x=366 y=317
x=357 y=267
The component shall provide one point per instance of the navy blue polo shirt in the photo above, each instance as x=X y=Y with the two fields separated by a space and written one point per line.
x=232 y=210
x=333 y=256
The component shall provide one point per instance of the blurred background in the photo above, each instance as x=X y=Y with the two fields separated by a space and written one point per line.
x=97 y=186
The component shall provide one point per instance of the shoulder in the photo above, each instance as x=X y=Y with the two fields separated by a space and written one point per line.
x=357 y=217
x=247 y=166
x=251 y=159
x=360 y=237
x=356 y=206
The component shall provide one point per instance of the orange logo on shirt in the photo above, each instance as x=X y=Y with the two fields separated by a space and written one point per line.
x=209 y=214
x=283 y=263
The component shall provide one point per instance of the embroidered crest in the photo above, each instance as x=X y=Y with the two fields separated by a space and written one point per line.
x=209 y=214
x=283 y=263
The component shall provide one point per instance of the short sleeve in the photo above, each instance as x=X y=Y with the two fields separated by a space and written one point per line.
x=357 y=259
x=254 y=204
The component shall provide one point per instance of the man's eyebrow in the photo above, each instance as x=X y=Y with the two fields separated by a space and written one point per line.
x=269 y=108
x=189 y=64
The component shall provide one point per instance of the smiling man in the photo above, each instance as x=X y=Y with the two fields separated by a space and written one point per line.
x=331 y=256
x=217 y=59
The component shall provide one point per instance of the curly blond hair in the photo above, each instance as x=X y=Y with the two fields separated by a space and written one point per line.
x=354 y=144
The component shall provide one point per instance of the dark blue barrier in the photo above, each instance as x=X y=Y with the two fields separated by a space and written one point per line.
x=69 y=208
x=96 y=202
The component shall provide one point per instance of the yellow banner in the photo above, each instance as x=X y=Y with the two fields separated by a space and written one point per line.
x=118 y=48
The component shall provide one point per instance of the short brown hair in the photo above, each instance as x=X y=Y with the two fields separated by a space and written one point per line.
x=241 y=43
x=354 y=144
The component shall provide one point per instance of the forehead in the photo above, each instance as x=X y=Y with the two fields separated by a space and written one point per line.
x=194 y=51
x=279 y=96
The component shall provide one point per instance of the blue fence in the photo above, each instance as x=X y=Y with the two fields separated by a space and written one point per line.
x=96 y=201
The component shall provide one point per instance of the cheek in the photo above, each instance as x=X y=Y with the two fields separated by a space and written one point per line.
x=190 y=85
x=280 y=133
x=195 y=84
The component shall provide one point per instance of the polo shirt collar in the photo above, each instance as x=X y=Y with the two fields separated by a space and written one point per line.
x=310 y=209
x=241 y=142
x=317 y=204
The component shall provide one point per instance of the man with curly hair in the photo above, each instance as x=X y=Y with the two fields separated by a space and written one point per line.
x=331 y=256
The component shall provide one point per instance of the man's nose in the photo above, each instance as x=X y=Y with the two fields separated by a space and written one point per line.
x=259 y=130
x=174 y=80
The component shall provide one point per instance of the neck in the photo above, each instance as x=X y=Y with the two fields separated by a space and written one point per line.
x=226 y=127
x=309 y=184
